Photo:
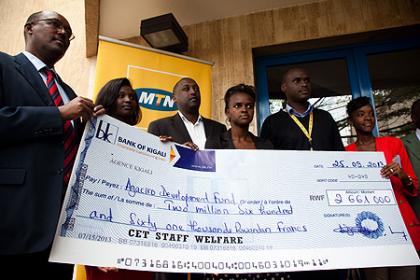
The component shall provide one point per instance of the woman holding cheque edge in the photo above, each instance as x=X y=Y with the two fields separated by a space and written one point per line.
x=398 y=169
x=119 y=100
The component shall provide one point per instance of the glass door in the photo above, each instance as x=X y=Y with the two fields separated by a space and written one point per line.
x=388 y=73
x=333 y=81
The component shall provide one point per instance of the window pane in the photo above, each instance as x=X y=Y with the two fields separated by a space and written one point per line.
x=395 y=78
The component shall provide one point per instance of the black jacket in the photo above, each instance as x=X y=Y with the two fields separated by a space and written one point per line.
x=31 y=157
x=175 y=127
x=224 y=141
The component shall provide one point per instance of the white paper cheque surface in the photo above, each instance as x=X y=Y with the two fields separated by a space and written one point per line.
x=136 y=203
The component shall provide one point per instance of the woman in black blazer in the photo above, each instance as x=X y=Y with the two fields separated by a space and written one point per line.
x=239 y=110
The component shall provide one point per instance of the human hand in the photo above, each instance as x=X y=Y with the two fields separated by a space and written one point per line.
x=76 y=108
x=99 y=110
x=392 y=169
x=107 y=269
x=193 y=146
x=165 y=139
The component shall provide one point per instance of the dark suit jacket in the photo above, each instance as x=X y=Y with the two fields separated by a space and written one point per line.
x=31 y=158
x=224 y=141
x=412 y=145
x=175 y=127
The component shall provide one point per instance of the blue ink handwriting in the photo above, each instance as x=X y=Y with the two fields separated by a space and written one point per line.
x=101 y=216
x=404 y=235
x=149 y=224
x=133 y=190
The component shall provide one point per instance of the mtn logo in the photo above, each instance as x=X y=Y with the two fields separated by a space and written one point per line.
x=155 y=99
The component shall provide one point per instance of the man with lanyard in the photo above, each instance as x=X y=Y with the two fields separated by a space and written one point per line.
x=300 y=126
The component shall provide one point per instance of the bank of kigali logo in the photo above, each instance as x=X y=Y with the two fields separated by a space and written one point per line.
x=155 y=99
x=107 y=132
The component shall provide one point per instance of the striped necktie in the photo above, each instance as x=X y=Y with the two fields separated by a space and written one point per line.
x=70 y=141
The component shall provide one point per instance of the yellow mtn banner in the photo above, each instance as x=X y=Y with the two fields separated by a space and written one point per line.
x=153 y=75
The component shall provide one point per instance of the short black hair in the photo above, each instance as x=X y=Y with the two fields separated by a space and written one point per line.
x=290 y=69
x=243 y=88
x=357 y=103
x=32 y=18
x=108 y=95
x=180 y=80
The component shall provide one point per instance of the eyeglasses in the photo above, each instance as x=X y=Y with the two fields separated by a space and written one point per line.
x=58 y=25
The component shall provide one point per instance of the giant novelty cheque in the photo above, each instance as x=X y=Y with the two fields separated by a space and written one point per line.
x=134 y=202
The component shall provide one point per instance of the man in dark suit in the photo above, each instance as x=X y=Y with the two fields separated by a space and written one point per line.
x=40 y=128
x=187 y=126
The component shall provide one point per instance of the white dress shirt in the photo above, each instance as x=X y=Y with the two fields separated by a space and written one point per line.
x=39 y=65
x=195 y=130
